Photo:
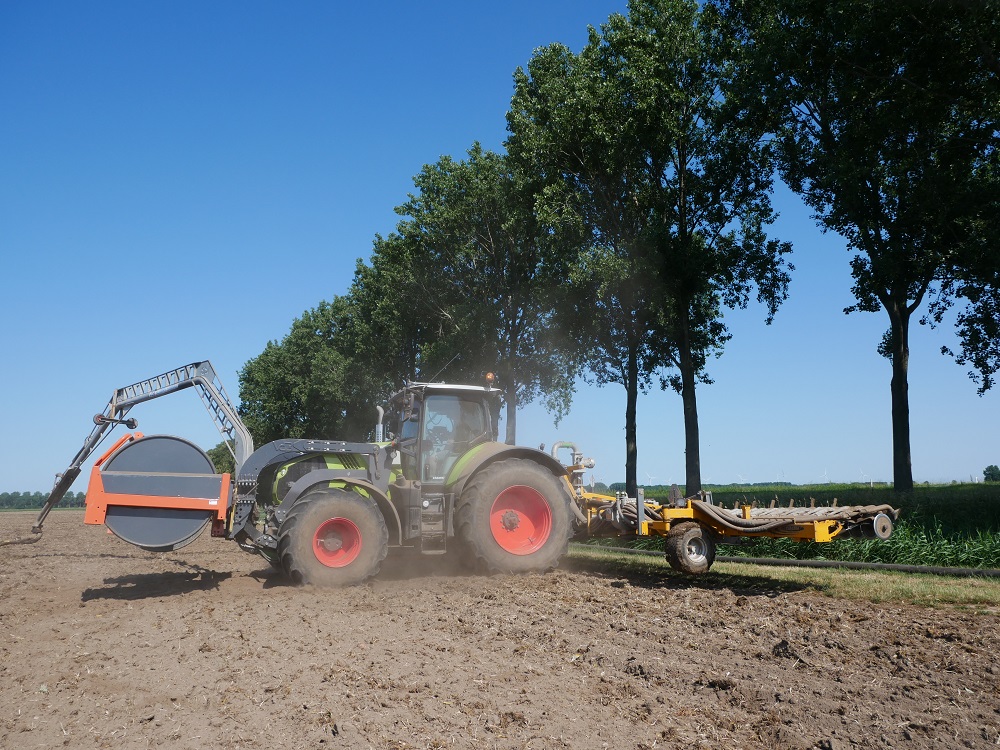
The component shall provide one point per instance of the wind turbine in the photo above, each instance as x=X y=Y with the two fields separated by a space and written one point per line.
x=825 y=477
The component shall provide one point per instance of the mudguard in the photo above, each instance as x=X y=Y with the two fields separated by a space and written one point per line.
x=324 y=477
x=487 y=453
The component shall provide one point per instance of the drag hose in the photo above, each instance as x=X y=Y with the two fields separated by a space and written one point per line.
x=792 y=563
x=742 y=525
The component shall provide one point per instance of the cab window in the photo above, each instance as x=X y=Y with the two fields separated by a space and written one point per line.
x=451 y=427
x=409 y=431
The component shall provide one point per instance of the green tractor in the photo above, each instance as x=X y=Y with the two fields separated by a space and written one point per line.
x=445 y=485
x=434 y=481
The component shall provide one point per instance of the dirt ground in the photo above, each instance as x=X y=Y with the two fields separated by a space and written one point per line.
x=106 y=646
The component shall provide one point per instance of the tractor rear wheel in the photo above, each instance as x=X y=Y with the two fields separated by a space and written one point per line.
x=513 y=517
x=332 y=537
x=690 y=548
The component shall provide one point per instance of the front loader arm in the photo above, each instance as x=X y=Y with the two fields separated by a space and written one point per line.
x=199 y=375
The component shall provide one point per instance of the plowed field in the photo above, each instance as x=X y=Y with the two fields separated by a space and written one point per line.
x=106 y=646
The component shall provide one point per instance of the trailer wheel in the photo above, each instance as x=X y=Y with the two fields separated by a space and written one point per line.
x=513 y=517
x=690 y=548
x=332 y=537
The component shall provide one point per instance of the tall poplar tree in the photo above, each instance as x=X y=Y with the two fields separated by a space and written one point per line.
x=887 y=116
x=635 y=128
x=491 y=273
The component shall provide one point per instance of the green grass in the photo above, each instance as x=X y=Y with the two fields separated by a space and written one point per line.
x=954 y=525
x=956 y=508
x=877 y=586
x=910 y=544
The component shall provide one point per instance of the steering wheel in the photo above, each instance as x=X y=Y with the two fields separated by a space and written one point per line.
x=438 y=436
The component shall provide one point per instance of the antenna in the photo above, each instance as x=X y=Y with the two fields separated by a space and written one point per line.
x=443 y=368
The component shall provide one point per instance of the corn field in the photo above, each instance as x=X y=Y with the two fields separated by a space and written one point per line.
x=955 y=525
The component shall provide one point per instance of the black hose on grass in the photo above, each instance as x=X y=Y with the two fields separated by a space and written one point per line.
x=925 y=569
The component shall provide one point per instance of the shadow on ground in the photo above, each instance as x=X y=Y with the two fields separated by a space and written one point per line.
x=151 y=585
x=649 y=575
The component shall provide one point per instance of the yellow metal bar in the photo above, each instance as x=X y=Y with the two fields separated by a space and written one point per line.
x=812 y=531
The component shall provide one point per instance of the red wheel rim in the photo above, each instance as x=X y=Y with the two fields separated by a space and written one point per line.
x=337 y=542
x=521 y=520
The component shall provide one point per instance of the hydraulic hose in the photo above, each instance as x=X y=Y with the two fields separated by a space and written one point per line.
x=780 y=562
x=743 y=525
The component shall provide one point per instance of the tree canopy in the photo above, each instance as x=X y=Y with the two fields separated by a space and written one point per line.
x=886 y=118
x=490 y=273
x=468 y=284
x=632 y=207
x=674 y=193
x=309 y=384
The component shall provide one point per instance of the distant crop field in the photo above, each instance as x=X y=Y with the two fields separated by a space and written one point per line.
x=953 y=525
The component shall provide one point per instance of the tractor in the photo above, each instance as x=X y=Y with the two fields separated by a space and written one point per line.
x=327 y=512
x=439 y=483
x=434 y=480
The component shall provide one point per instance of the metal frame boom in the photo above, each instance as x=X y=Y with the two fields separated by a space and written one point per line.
x=199 y=375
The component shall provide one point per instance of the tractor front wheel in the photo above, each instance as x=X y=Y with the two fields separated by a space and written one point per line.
x=513 y=517
x=332 y=537
x=690 y=548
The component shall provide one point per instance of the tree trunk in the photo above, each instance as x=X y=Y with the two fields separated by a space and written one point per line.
x=631 y=398
x=510 y=395
x=511 y=438
x=902 y=466
x=692 y=441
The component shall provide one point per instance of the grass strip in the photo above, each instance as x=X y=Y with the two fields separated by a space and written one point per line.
x=910 y=544
x=878 y=587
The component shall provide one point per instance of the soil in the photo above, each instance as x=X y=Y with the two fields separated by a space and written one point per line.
x=107 y=646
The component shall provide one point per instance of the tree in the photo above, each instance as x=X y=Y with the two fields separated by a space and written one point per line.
x=467 y=285
x=394 y=316
x=618 y=315
x=887 y=118
x=673 y=192
x=559 y=129
x=309 y=384
x=991 y=473
x=222 y=459
x=488 y=274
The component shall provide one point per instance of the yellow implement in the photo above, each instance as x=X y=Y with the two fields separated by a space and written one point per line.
x=692 y=526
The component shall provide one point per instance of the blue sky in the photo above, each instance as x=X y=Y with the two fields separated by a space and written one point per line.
x=179 y=181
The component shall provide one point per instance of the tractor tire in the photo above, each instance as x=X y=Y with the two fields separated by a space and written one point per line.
x=690 y=548
x=513 y=517
x=332 y=537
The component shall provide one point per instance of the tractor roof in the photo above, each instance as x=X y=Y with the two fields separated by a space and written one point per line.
x=424 y=388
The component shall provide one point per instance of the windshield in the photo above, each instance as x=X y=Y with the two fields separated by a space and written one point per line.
x=452 y=426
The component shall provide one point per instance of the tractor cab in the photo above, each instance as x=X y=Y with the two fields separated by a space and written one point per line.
x=435 y=424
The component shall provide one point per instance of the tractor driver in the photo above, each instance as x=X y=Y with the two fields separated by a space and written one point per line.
x=450 y=429
x=441 y=414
